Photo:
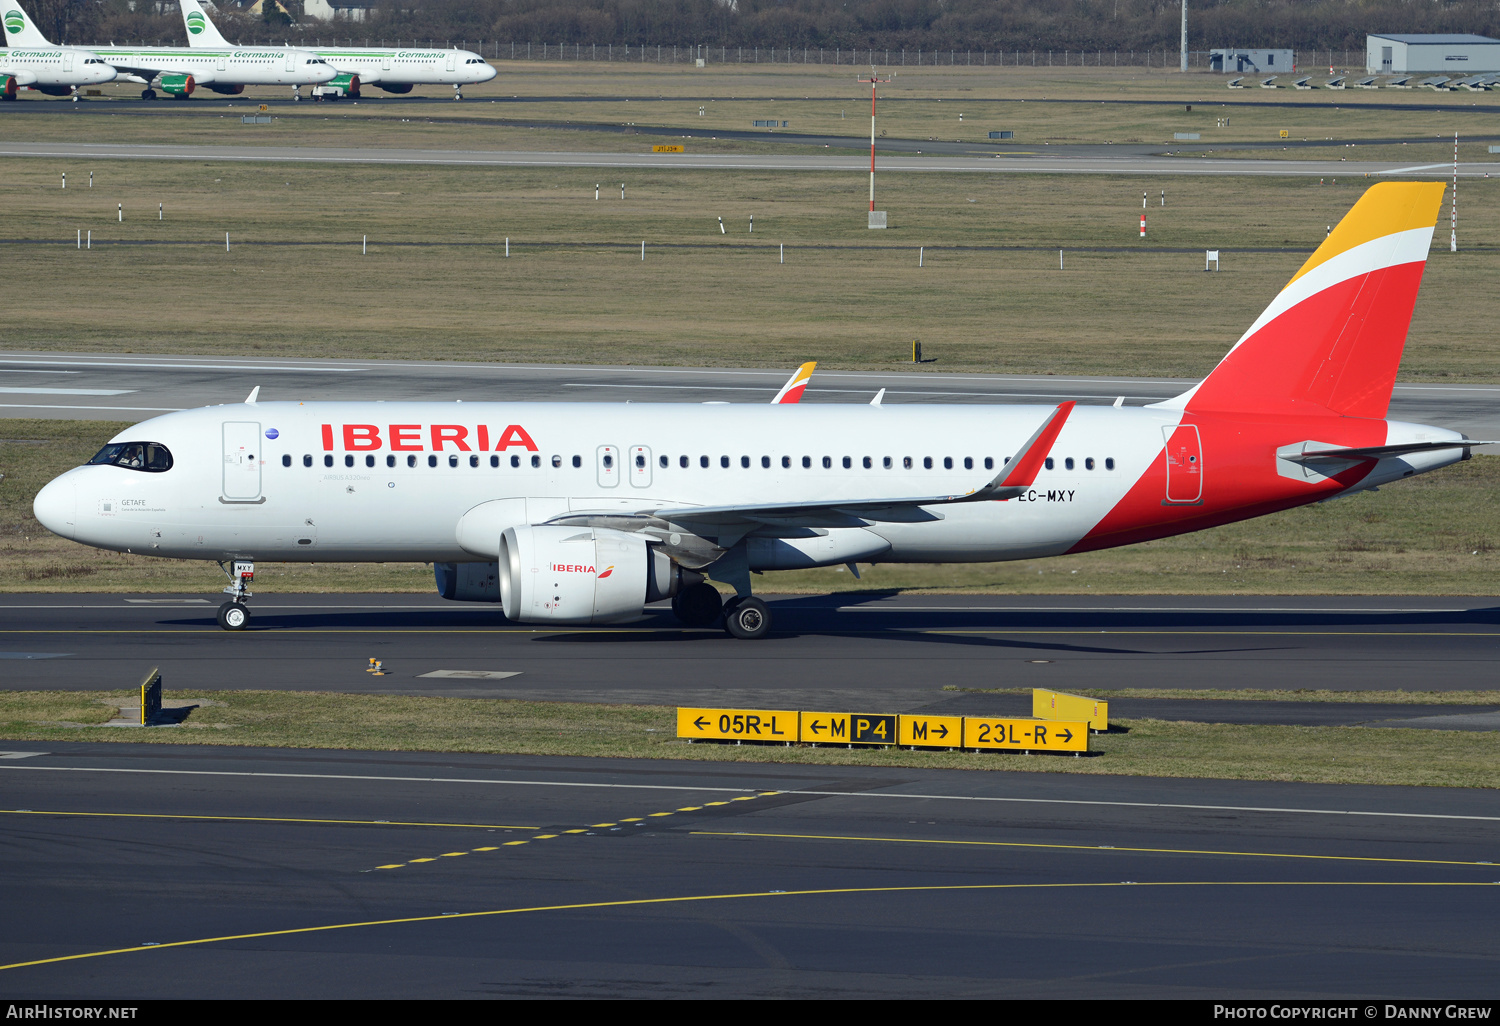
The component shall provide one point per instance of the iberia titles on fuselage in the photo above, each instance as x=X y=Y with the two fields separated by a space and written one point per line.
x=500 y=495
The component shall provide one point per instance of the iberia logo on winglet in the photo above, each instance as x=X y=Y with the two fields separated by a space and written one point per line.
x=15 y=21
x=607 y=571
x=195 y=22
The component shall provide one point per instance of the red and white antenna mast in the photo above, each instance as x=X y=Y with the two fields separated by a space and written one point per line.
x=874 y=80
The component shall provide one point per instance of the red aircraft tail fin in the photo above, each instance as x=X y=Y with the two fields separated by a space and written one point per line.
x=1331 y=341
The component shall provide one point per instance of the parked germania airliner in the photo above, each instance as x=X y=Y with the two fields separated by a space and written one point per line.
x=177 y=71
x=391 y=69
x=573 y=513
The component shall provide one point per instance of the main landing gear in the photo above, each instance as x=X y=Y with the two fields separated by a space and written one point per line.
x=745 y=616
x=148 y=94
x=234 y=615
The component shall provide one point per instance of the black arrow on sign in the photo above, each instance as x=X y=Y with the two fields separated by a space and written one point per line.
x=940 y=730
x=1066 y=735
x=700 y=723
x=817 y=725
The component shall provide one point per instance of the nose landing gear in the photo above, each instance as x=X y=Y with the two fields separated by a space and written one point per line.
x=234 y=615
x=456 y=94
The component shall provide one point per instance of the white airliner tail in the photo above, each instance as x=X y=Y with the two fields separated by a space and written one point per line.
x=19 y=31
x=200 y=30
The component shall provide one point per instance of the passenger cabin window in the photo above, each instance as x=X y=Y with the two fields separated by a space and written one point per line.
x=1049 y=463
x=536 y=461
x=369 y=461
x=703 y=462
x=1068 y=463
x=515 y=461
x=286 y=459
x=411 y=461
x=349 y=460
x=1088 y=464
x=989 y=463
x=806 y=462
x=328 y=460
x=307 y=460
x=1109 y=463
x=474 y=461
x=848 y=463
x=926 y=462
x=390 y=461
x=578 y=461
x=557 y=461
x=745 y=462
x=150 y=457
x=494 y=462
x=947 y=462
x=663 y=461
x=432 y=461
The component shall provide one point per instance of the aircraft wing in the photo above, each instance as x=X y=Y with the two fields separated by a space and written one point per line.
x=795 y=385
x=1015 y=477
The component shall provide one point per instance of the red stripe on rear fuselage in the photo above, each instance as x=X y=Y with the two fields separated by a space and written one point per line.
x=1239 y=477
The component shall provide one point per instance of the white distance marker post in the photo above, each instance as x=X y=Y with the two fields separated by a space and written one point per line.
x=721 y=227
x=88 y=240
x=921 y=256
x=783 y=252
x=643 y=250
x=158 y=209
x=364 y=245
x=507 y=247
x=1059 y=260
x=65 y=179
x=91 y=179
x=120 y=211
x=752 y=225
x=622 y=190
x=1453 y=224
x=80 y=238
x=596 y=192
x=226 y=242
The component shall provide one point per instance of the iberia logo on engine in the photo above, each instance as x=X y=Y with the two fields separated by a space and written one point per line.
x=579 y=568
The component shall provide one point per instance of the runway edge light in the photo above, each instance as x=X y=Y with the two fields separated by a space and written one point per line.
x=1059 y=705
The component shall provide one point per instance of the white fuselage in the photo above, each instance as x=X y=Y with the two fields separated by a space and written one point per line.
x=234 y=66
x=391 y=66
x=54 y=66
x=367 y=481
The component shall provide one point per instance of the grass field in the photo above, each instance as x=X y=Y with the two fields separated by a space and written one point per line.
x=436 y=282
x=1438 y=534
x=1344 y=755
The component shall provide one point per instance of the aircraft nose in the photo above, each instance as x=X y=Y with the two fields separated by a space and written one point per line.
x=489 y=73
x=56 y=506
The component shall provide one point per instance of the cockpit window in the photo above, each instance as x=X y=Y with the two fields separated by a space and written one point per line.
x=150 y=457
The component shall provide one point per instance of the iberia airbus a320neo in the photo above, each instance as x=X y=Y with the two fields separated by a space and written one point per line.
x=570 y=513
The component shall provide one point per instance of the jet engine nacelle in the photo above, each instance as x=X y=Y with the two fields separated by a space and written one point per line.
x=468 y=582
x=582 y=575
x=178 y=85
x=339 y=85
x=227 y=90
x=8 y=87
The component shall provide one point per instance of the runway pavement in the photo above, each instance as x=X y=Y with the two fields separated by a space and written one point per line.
x=872 y=652
x=96 y=386
x=1000 y=163
x=148 y=871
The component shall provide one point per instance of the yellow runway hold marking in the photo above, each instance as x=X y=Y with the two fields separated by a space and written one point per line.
x=266 y=819
x=452 y=854
x=1089 y=847
x=687 y=899
x=585 y=830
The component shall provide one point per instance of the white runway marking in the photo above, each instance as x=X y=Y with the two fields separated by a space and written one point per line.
x=67 y=391
x=760 y=790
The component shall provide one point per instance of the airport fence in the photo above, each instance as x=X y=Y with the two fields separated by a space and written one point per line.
x=678 y=54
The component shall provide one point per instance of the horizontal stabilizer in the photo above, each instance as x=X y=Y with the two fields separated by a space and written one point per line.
x=1379 y=452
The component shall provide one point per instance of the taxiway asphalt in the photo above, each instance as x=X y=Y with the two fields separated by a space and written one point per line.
x=106 y=386
x=147 y=871
x=871 y=652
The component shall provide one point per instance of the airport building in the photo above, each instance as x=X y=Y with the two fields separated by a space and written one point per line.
x=345 y=10
x=1429 y=53
x=1252 y=62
